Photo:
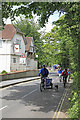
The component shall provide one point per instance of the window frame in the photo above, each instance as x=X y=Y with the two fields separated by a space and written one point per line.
x=14 y=60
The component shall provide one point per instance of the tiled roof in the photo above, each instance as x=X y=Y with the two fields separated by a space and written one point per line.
x=28 y=39
x=9 y=31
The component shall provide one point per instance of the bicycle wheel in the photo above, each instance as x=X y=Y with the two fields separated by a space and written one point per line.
x=51 y=85
x=60 y=79
x=41 y=87
x=64 y=82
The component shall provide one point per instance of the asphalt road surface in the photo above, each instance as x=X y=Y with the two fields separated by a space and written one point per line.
x=26 y=101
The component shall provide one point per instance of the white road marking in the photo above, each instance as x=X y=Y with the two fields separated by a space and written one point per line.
x=29 y=93
x=3 y=107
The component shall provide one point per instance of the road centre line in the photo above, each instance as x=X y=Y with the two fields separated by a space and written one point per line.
x=29 y=93
x=3 y=107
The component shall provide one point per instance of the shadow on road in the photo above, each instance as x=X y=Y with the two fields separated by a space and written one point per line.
x=45 y=101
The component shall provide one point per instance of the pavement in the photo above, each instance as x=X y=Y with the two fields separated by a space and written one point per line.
x=16 y=81
x=25 y=100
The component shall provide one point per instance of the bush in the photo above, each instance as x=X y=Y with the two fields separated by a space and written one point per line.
x=74 y=106
x=3 y=72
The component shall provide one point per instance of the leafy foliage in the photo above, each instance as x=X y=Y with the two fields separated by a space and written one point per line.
x=67 y=32
x=3 y=72
x=30 y=29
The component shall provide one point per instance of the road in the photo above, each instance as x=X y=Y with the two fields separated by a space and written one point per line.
x=26 y=101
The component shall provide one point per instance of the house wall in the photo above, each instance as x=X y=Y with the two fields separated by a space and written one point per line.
x=6 y=46
x=5 y=56
x=5 y=63
x=31 y=46
x=31 y=64
x=19 y=37
x=17 y=66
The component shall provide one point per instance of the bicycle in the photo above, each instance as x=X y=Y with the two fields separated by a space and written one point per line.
x=64 y=81
x=60 y=77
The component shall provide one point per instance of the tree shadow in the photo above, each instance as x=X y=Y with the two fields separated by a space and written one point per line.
x=45 y=101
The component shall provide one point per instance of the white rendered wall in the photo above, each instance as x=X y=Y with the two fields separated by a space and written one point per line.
x=17 y=66
x=19 y=37
x=5 y=63
x=6 y=47
x=5 y=56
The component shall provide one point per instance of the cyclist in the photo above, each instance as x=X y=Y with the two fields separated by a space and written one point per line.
x=44 y=73
x=68 y=78
x=64 y=74
x=60 y=72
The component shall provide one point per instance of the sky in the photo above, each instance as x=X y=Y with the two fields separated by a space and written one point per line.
x=49 y=25
x=52 y=18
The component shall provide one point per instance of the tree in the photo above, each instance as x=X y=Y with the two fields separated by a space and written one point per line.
x=30 y=29
x=44 y=10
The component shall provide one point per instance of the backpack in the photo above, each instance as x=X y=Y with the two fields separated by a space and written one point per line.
x=64 y=74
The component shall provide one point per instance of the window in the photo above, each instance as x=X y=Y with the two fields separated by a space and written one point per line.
x=31 y=49
x=0 y=43
x=18 y=42
x=14 y=60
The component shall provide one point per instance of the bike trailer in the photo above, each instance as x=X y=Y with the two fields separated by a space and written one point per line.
x=49 y=80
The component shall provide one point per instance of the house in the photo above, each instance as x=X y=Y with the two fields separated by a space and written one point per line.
x=12 y=49
x=29 y=47
x=30 y=53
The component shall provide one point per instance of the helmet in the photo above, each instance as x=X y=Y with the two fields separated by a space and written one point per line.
x=44 y=65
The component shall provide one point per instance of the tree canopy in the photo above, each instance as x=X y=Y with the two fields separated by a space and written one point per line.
x=62 y=44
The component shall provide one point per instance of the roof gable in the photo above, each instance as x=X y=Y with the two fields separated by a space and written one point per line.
x=29 y=40
x=9 y=31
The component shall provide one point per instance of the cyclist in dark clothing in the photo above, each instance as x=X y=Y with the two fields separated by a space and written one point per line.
x=64 y=74
x=44 y=73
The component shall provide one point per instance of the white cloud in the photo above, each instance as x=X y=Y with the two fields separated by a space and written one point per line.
x=7 y=21
x=48 y=25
